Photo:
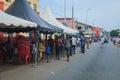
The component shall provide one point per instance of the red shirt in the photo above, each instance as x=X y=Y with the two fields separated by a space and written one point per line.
x=58 y=41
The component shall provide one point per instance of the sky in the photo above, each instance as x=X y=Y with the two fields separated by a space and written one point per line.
x=100 y=13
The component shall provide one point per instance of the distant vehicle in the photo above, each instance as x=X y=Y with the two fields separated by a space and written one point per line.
x=106 y=40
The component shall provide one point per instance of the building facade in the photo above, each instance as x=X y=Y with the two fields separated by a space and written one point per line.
x=96 y=31
x=4 y=4
x=69 y=21
x=90 y=29
x=80 y=26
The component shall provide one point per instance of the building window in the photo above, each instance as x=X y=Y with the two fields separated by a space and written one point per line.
x=79 y=28
x=8 y=1
x=65 y=24
x=29 y=3
x=35 y=7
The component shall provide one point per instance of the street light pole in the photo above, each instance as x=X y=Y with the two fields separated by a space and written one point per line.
x=72 y=12
x=65 y=11
x=86 y=27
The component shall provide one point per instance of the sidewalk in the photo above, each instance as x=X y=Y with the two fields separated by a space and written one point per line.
x=26 y=72
x=42 y=72
x=10 y=67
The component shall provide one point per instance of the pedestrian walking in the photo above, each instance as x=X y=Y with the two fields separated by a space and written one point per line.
x=41 y=50
x=47 y=52
x=74 y=41
x=88 y=42
x=50 y=42
x=33 y=53
x=82 y=44
x=68 y=47
x=58 y=43
x=102 y=42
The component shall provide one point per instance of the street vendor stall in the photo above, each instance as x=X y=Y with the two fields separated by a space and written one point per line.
x=11 y=24
x=49 y=17
x=24 y=11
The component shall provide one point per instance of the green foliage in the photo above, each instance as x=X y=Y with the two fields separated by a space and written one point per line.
x=114 y=33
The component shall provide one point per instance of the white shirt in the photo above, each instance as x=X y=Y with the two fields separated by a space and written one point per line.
x=102 y=40
x=118 y=39
x=74 y=40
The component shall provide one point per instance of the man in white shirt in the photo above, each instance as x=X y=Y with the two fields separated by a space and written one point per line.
x=102 y=42
x=74 y=41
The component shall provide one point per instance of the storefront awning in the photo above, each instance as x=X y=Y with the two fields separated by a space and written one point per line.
x=9 y=22
x=22 y=9
x=49 y=17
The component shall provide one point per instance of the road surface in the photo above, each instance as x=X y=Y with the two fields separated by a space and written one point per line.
x=96 y=64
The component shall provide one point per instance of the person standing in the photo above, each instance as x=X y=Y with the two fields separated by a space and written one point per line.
x=47 y=52
x=33 y=53
x=88 y=42
x=51 y=45
x=58 y=43
x=82 y=44
x=102 y=42
x=74 y=41
x=41 y=50
x=68 y=47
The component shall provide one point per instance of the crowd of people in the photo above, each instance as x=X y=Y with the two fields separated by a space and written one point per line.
x=55 y=48
x=116 y=41
x=48 y=49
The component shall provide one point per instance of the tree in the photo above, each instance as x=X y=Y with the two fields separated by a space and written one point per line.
x=114 y=33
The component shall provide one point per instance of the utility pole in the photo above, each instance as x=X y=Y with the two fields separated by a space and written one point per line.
x=72 y=13
x=86 y=27
x=65 y=11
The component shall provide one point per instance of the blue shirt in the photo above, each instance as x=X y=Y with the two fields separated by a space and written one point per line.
x=82 y=41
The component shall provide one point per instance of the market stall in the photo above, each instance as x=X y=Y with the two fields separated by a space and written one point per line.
x=11 y=24
x=49 y=17
x=24 y=11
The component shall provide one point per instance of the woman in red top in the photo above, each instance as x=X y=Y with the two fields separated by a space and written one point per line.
x=58 y=43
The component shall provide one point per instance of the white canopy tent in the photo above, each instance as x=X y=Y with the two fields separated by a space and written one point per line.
x=9 y=21
x=48 y=16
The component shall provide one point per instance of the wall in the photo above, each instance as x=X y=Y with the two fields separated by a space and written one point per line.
x=69 y=22
x=1 y=5
x=96 y=30
x=90 y=30
x=7 y=4
x=80 y=25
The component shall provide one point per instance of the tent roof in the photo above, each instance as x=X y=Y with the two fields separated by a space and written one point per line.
x=22 y=9
x=49 y=17
x=7 y=20
x=12 y=22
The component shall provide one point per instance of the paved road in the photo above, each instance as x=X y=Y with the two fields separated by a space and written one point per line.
x=96 y=64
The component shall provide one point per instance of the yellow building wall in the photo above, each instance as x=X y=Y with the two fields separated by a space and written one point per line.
x=34 y=2
x=7 y=4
